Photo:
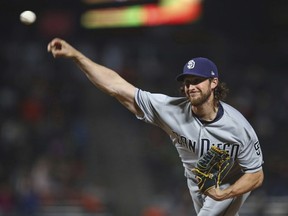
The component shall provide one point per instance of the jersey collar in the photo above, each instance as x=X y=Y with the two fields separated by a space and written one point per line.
x=218 y=116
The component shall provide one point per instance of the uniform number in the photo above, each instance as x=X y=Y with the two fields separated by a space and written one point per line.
x=257 y=148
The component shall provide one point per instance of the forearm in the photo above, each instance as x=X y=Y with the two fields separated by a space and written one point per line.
x=246 y=183
x=102 y=77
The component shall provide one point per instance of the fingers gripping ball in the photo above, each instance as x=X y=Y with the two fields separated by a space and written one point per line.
x=212 y=168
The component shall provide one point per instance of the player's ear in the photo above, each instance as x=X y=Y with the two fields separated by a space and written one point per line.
x=214 y=83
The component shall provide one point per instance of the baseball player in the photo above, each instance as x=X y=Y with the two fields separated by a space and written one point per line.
x=194 y=122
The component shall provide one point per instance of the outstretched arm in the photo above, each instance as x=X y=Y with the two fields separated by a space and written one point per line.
x=248 y=182
x=102 y=77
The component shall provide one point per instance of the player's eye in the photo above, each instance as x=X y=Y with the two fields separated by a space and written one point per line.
x=195 y=81
x=187 y=83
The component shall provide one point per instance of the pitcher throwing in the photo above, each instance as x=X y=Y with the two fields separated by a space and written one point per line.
x=195 y=122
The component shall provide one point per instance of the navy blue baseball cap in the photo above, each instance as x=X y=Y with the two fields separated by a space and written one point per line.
x=199 y=66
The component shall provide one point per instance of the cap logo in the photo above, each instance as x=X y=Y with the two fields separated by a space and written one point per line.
x=191 y=64
x=212 y=73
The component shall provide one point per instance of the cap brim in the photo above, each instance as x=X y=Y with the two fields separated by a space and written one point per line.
x=181 y=77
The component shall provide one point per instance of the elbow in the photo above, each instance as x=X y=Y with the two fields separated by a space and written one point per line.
x=260 y=180
x=260 y=183
x=109 y=90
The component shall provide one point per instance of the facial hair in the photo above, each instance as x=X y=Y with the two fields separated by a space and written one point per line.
x=201 y=98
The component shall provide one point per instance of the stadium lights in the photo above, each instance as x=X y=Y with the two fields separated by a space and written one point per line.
x=167 y=12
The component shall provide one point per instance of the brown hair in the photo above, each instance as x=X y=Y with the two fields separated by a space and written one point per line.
x=221 y=91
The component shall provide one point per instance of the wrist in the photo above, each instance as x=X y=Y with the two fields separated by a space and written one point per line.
x=218 y=194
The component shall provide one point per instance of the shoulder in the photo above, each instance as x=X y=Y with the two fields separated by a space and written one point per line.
x=234 y=116
x=232 y=112
x=160 y=108
x=160 y=98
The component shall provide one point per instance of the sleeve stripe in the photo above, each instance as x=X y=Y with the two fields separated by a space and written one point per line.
x=137 y=96
x=256 y=168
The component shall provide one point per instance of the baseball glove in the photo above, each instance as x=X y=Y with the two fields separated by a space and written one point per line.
x=212 y=168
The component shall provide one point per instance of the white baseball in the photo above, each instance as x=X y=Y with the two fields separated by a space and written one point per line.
x=27 y=17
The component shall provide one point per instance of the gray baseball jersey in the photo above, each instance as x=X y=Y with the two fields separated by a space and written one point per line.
x=193 y=137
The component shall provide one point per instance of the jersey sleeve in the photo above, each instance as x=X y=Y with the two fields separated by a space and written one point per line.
x=251 y=158
x=150 y=104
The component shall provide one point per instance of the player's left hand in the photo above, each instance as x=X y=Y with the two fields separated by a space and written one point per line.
x=212 y=168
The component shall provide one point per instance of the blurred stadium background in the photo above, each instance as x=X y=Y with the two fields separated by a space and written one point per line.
x=68 y=149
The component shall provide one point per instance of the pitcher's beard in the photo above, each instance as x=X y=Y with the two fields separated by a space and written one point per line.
x=204 y=97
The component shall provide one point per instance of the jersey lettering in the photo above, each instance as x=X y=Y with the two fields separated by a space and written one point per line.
x=232 y=149
x=205 y=144
x=183 y=141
